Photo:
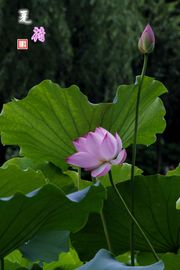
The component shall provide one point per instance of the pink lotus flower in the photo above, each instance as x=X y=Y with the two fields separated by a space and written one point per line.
x=147 y=40
x=97 y=152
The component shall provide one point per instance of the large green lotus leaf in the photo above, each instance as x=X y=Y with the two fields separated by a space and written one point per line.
x=120 y=173
x=155 y=198
x=47 y=120
x=13 y=179
x=44 y=210
x=105 y=261
x=45 y=123
x=171 y=260
x=121 y=116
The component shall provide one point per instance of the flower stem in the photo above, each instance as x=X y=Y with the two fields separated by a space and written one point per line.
x=79 y=178
x=2 y=264
x=106 y=231
x=132 y=217
x=103 y=220
x=134 y=155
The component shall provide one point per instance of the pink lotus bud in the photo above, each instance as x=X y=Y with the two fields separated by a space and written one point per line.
x=147 y=40
x=97 y=151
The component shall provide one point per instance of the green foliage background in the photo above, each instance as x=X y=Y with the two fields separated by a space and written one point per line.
x=93 y=43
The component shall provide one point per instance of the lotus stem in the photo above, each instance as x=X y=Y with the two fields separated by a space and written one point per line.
x=2 y=264
x=103 y=220
x=134 y=157
x=106 y=233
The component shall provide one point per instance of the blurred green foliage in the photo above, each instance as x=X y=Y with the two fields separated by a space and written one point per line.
x=93 y=43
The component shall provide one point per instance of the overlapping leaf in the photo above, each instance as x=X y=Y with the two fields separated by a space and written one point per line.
x=13 y=179
x=47 y=209
x=67 y=181
x=45 y=122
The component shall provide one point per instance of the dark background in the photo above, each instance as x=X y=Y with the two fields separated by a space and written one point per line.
x=93 y=43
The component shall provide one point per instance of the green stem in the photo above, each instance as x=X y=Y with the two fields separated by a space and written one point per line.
x=106 y=231
x=79 y=178
x=134 y=156
x=2 y=264
x=132 y=217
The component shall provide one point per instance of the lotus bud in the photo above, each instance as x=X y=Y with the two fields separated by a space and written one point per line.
x=147 y=40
